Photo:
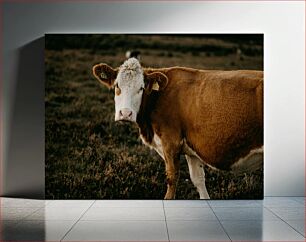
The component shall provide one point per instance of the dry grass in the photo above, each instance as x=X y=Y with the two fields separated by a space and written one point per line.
x=89 y=156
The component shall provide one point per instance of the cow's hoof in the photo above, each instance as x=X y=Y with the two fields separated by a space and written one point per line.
x=169 y=196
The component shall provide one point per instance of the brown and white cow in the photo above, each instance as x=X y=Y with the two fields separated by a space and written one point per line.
x=213 y=117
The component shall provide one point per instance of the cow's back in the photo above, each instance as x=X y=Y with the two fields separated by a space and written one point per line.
x=219 y=114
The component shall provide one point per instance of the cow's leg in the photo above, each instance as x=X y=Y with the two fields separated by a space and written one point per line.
x=172 y=163
x=197 y=175
x=171 y=152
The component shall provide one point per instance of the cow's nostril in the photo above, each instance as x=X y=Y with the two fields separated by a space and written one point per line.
x=125 y=114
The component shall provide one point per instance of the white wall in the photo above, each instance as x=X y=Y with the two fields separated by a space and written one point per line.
x=283 y=25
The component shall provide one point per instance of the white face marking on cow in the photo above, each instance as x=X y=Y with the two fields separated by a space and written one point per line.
x=129 y=86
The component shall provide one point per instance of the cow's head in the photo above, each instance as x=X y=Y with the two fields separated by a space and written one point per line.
x=131 y=83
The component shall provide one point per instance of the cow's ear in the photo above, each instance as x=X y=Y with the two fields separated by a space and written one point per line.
x=105 y=74
x=156 y=81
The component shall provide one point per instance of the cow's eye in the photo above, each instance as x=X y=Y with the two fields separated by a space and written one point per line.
x=141 y=89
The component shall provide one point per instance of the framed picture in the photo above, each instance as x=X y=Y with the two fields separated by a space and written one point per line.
x=154 y=116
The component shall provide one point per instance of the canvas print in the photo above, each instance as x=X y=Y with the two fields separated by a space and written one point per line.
x=148 y=116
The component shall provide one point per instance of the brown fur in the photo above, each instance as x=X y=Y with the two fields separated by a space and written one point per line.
x=218 y=113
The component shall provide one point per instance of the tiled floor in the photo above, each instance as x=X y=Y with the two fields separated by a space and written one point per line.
x=273 y=219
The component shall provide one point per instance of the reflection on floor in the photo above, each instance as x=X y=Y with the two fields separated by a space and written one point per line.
x=273 y=219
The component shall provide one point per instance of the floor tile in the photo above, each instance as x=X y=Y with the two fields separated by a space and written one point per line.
x=289 y=213
x=196 y=231
x=118 y=231
x=124 y=214
x=73 y=213
x=244 y=214
x=16 y=213
x=185 y=203
x=70 y=203
x=21 y=203
x=261 y=231
x=235 y=203
x=39 y=230
x=281 y=202
x=300 y=200
x=129 y=203
x=23 y=219
x=298 y=225
x=189 y=214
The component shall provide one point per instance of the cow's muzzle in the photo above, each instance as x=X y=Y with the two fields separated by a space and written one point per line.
x=125 y=114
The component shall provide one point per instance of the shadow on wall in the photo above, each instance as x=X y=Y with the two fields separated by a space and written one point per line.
x=29 y=230
x=26 y=151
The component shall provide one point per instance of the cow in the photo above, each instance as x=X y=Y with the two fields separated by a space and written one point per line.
x=212 y=117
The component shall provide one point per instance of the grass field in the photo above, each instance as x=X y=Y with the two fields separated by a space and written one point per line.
x=88 y=155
